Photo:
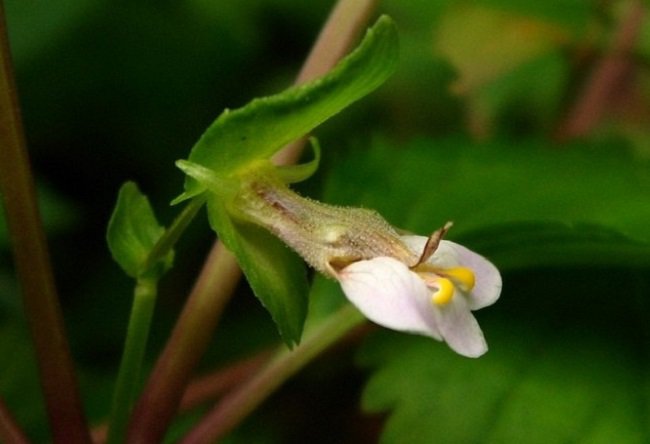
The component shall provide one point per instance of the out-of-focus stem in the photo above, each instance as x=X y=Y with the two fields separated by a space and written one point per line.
x=342 y=29
x=162 y=394
x=605 y=78
x=45 y=320
x=10 y=431
x=235 y=406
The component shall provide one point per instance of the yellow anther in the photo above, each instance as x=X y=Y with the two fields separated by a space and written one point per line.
x=445 y=291
x=462 y=276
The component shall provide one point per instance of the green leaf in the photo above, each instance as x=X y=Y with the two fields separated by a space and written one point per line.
x=265 y=125
x=535 y=244
x=529 y=205
x=133 y=231
x=58 y=213
x=276 y=274
x=567 y=357
x=303 y=171
x=484 y=43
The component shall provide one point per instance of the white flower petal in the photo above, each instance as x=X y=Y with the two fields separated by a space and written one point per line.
x=445 y=255
x=487 y=286
x=459 y=328
x=389 y=294
x=414 y=243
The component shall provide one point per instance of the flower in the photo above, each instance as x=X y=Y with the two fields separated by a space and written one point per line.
x=435 y=297
x=416 y=284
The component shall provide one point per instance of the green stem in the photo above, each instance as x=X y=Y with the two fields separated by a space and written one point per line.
x=45 y=320
x=139 y=323
x=173 y=233
x=243 y=400
x=189 y=339
x=134 y=349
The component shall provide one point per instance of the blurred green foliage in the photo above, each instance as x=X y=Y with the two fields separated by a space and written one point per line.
x=112 y=91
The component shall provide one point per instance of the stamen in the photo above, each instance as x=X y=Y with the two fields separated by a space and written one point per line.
x=445 y=292
x=462 y=276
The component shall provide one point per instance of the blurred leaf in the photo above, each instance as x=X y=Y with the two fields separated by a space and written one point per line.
x=570 y=14
x=566 y=363
x=133 y=231
x=265 y=125
x=505 y=61
x=484 y=43
x=34 y=27
x=276 y=274
x=57 y=212
x=19 y=379
x=540 y=204
x=572 y=390
x=535 y=244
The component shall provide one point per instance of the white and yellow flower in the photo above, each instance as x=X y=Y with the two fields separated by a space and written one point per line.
x=433 y=298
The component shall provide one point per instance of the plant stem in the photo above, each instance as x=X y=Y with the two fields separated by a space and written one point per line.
x=174 y=232
x=239 y=403
x=342 y=28
x=605 y=78
x=134 y=349
x=218 y=278
x=206 y=388
x=40 y=299
x=10 y=431
x=192 y=333
x=209 y=387
x=137 y=334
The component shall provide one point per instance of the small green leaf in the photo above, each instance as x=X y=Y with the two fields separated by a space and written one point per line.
x=133 y=231
x=303 y=171
x=265 y=125
x=276 y=274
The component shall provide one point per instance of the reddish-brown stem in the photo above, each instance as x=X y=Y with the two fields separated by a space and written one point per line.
x=342 y=29
x=10 y=431
x=605 y=78
x=209 y=387
x=243 y=399
x=45 y=320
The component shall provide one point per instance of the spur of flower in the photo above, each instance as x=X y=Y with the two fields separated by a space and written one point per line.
x=433 y=296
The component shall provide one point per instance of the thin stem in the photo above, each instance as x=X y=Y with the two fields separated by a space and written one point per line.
x=174 y=232
x=192 y=333
x=606 y=77
x=10 y=431
x=207 y=388
x=134 y=349
x=139 y=324
x=45 y=320
x=220 y=274
x=238 y=404
x=211 y=386
x=342 y=29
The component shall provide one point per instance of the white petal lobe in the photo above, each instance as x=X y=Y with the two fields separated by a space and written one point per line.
x=388 y=293
x=488 y=280
x=460 y=329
